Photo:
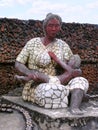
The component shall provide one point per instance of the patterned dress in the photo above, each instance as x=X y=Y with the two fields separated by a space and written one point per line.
x=52 y=94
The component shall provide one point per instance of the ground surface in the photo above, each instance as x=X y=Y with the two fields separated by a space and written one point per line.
x=15 y=121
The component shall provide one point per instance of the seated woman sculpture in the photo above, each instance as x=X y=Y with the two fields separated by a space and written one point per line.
x=37 y=61
x=74 y=62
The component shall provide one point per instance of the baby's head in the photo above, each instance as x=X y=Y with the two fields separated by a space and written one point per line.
x=75 y=61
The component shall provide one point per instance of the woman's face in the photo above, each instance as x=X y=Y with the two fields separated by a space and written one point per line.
x=52 y=28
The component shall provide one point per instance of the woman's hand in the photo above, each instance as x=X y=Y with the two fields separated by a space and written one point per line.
x=38 y=76
x=33 y=75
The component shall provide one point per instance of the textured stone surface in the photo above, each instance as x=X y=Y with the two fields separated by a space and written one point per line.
x=14 y=33
x=60 y=119
x=48 y=98
x=13 y=121
x=91 y=109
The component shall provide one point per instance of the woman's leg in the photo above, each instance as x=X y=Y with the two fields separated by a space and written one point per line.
x=75 y=102
x=78 y=87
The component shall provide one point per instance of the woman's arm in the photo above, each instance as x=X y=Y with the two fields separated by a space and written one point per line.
x=69 y=72
x=22 y=68
x=30 y=74
x=65 y=77
x=60 y=62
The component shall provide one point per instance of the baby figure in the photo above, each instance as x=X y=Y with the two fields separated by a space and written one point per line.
x=72 y=64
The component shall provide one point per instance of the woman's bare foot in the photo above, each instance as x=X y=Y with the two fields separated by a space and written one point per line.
x=76 y=111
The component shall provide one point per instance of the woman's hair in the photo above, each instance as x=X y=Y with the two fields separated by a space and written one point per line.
x=50 y=16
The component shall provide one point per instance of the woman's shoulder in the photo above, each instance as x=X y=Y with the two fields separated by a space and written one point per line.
x=35 y=39
x=62 y=42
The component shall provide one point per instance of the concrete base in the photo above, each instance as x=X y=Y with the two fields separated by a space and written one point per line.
x=12 y=121
x=91 y=109
x=60 y=119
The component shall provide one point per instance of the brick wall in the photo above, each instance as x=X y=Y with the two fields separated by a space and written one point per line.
x=14 y=33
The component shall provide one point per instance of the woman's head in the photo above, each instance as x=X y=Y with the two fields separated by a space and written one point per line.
x=50 y=17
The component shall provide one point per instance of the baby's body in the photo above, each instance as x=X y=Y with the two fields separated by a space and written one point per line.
x=73 y=63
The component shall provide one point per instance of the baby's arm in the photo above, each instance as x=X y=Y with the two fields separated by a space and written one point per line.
x=71 y=70
x=60 y=62
x=22 y=78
